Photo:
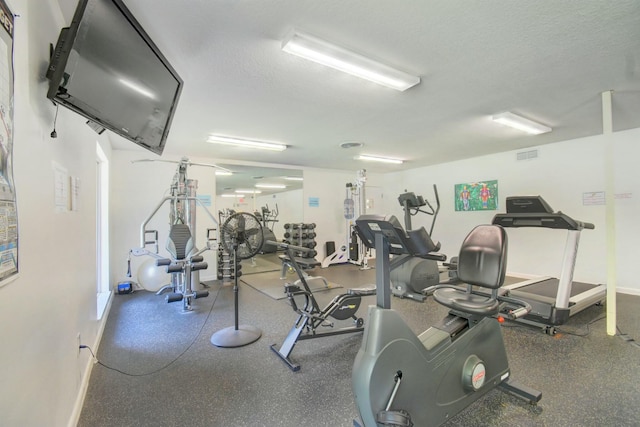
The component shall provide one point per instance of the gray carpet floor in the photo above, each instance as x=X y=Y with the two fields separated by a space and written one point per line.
x=163 y=370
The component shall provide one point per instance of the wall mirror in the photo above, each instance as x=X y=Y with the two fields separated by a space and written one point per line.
x=276 y=192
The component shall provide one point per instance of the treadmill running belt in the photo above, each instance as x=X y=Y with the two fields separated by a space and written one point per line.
x=549 y=288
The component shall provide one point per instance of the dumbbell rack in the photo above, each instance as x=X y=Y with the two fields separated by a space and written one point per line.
x=301 y=234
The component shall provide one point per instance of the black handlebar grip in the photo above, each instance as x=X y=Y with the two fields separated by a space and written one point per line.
x=163 y=261
x=198 y=258
x=199 y=266
x=174 y=268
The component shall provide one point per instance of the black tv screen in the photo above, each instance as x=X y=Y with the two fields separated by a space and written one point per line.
x=106 y=68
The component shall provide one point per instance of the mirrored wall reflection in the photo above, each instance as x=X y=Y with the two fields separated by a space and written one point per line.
x=274 y=194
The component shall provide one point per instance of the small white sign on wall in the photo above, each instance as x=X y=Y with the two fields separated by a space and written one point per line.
x=61 y=188
x=75 y=192
x=593 y=198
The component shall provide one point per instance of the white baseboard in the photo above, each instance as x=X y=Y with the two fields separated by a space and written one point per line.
x=628 y=291
x=86 y=375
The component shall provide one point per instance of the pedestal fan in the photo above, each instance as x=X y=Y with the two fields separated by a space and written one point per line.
x=240 y=235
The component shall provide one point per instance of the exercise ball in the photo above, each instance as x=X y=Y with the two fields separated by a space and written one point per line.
x=152 y=277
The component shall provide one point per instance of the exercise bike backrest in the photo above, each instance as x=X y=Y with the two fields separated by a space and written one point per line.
x=481 y=263
x=483 y=257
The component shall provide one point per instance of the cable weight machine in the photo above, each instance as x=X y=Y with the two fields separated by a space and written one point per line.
x=352 y=251
x=185 y=260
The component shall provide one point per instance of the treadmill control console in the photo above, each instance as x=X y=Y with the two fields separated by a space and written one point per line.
x=534 y=211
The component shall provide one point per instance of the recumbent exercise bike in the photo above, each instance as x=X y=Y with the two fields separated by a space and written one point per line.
x=400 y=378
x=310 y=316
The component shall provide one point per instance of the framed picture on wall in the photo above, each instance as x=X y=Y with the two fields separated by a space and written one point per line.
x=476 y=196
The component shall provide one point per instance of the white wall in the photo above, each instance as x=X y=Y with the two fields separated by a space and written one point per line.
x=329 y=187
x=561 y=174
x=54 y=298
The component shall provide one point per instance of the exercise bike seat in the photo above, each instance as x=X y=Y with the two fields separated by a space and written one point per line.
x=482 y=262
x=468 y=303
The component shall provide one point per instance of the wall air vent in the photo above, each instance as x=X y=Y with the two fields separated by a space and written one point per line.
x=527 y=155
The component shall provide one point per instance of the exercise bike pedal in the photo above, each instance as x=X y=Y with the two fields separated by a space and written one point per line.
x=291 y=289
x=394 y=418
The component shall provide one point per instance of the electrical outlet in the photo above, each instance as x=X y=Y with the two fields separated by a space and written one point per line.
x=78 y=344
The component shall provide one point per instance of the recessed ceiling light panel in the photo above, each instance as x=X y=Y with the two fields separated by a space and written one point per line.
x=379 y=159
x=246 y=143
x=271 y=186
x=317 y=50
x=518 y=122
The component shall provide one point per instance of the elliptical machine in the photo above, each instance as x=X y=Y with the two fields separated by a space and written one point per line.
x=402 y=379
x=268 y=219
x=410 y=275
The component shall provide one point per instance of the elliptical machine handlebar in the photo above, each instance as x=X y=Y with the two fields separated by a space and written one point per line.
x=411 y=205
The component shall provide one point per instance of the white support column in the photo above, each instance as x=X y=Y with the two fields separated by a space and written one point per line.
x=607 y=130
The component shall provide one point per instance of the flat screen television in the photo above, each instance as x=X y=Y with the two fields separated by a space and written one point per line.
x=106 y=68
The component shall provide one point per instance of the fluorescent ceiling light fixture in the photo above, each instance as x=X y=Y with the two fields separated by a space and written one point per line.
x=294 y=178
x=223 y=173
x=317 y=50
x=379 y=159
x=275 y=186
x=138 y=88
x=232 y=195
x=517 y=122
x=247 y=143
x=249 y=191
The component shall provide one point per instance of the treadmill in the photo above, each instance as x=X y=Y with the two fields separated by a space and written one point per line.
x=552 y=300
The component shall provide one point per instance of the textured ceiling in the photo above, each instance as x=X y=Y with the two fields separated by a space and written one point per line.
x=548 y=60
